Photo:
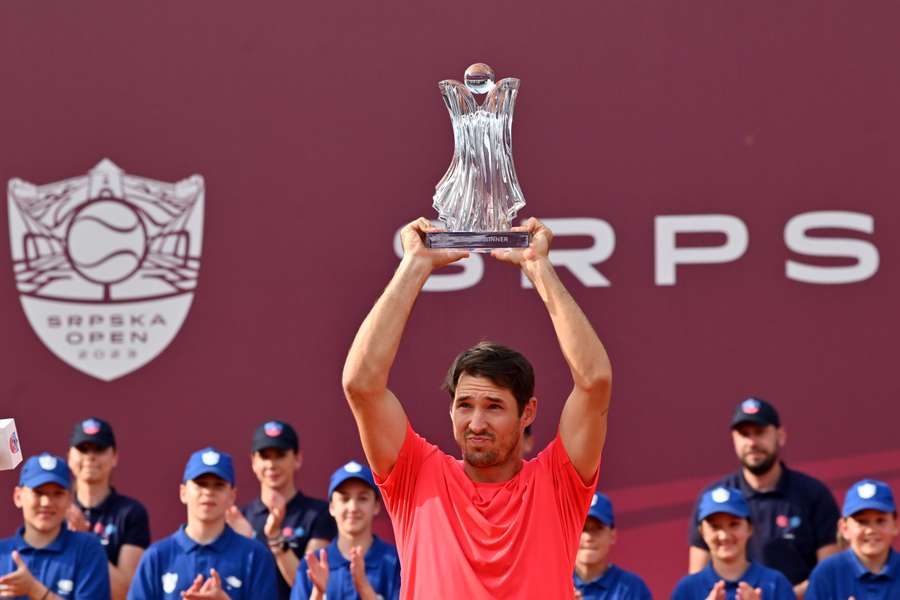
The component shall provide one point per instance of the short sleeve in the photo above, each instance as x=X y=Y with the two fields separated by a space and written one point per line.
x=137 y=527
x=93 y=572
x=682 y=590
x=261 y=573
x=825 y=516
x=142 y=584
x=573 y=496
x=323 y=526
x=302 y=587
x=398 y=486
x=642 y=592
x=819 y=587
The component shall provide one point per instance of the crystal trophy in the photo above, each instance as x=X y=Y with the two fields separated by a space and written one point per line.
x=479 y=195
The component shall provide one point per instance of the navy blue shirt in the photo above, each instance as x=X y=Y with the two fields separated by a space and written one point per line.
x=73 y=565
x=170 y=566
x=790 y=523
x=774 y=585
x=614 y=584
x=304 y=518
x=117 y=521
x=843 y=575
x=382 y=569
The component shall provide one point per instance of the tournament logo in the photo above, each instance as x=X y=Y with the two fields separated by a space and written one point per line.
x=353 y=467
x=65 y=586
x=750 y=406
x=106 y=264
x=210 y=458
x=233 y=582
x=273 y=428
x=169 y=581
x=14 y=443
x=90 y=427
x=866 y=490
x=720 y=495
x=47 y=462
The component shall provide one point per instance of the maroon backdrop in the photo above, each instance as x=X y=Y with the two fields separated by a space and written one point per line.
x=319 y=129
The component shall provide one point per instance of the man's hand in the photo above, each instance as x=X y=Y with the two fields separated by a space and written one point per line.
x=317 y=569
x=278 y=507
x=358 y=574
x=717 y=592
x=238 y=522
x=20 y=582
x=75 y=519
x=412 y=236
x=746 y=592
x=211 y=589
x=539 y=248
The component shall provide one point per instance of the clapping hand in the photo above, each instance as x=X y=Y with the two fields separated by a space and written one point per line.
x=717 y=592
x=211 y=589
x=317 y=570
x=75 y=519
x=358 y=573
x=278 y=507
x=20 y=582
x=238 y=522
x=747 y=592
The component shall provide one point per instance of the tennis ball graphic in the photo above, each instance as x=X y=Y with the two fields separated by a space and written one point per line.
x=106 y=242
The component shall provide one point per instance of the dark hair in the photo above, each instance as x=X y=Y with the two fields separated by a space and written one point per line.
x=502 y=365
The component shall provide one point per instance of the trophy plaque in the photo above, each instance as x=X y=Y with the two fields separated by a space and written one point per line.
x=479 y=195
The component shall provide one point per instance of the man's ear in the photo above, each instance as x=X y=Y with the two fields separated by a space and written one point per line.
x=613 y=535
x=782 y=437
x=182 y=493
x=17 y=497
x=529 y=413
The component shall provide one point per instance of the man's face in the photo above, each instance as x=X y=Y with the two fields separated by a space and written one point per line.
x=726 y=535
x=353 y=506
x=870 y=532
x=757 y=446
x=43 y=507
x=207 y=497
x=596 y=540
x=486 y=421
x=274 y=467
x=92 y=464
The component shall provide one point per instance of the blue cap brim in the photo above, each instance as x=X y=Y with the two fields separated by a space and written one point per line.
x=336 y=484
x=869 y=505
x=724 y=511
x=197 y=473
x=43 y=479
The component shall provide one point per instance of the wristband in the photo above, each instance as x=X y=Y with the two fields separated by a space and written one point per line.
x=46 y=593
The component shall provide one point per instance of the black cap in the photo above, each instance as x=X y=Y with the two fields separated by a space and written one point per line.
x=275 y=434
x=93 y=431
x=755 y=410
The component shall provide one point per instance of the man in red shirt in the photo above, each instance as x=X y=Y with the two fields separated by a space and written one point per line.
x=490 y=525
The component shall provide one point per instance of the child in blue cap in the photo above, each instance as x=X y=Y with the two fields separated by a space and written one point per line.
x=595 y=578
x=870 y=568
x=44 y=560
x=723 y=519
x=356 y=565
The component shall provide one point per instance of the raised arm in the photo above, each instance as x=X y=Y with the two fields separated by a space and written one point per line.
x=379 y=415
x=582 y=426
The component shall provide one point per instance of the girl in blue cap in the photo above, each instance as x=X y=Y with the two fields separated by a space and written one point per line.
x=723 y=519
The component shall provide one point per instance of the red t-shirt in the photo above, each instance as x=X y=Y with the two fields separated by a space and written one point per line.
x=463 y=540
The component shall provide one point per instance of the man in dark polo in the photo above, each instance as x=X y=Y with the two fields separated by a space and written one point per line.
x=794 y=516
x=288 y=522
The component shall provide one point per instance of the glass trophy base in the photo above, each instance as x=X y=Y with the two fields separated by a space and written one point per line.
x=477 y=241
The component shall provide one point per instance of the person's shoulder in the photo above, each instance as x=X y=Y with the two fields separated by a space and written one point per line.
x=301 y=503
x=836 y=563
x=128 y=503
x=7 y=544
x=385 y=551
x=686 y=584
x=628 y=578
x=163 y=546
x=78 y=541
x=770 y=574
x=244 y=544
x=806 y=483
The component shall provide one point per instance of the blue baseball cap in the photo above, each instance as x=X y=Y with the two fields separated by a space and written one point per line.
x=209 y=460
x=352 y=470
x=868 y=494
x=45 y=468
x=722 y=499
x=601 y=509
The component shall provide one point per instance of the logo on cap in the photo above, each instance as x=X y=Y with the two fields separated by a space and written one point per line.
x=210 y=458
x=169 y=581
x=47 y=462
x=866 y=490
x=353 y=467
x=65 y=586
x=273 y=428
x=14 y=443
x=90 y=427
x=594 y=500
x=720 y=495
x=233 y=581
x=750 y=406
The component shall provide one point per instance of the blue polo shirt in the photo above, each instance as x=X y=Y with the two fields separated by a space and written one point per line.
x=774 y=585
x=614 y=584
x=790 y=523
x=304 y=518
x=117 y=521
x=843 y=575
x=170 y=566
x=73 y=565
x=382 y=569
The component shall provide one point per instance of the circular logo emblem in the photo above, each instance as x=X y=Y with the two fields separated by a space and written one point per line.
x=750 y=406
x=594 y=500
x=866 y=490
x=98 y=528
x=14 y=443
x=47 y=462
x=353 y=467
x=720 y=495
x=90 y=427
x=795 y=522
x=273 y=428
x=781 y=521
x=210 y=458
x=287 y=532
x=106 y=241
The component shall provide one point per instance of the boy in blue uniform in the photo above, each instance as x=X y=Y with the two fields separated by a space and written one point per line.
x=44 y=560
x=595 y=578
x=870 y=568
x=356 y=565
x=723 y=519
x=119 y=522
x=206 y=559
